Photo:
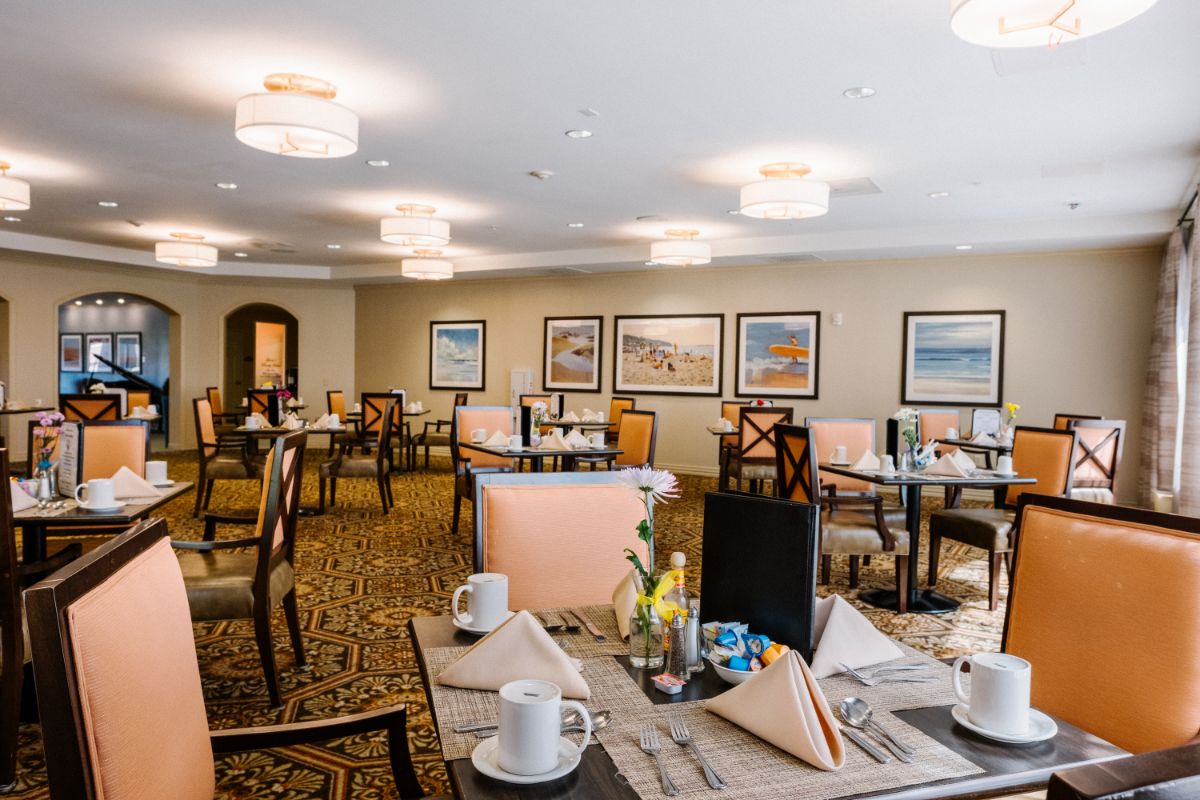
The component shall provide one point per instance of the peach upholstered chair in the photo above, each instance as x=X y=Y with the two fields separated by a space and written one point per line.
x=932 y=423
x=1104 y=606
x=857 y=435
x=616 y=407
x=728 y=443
x=540 y=528
x=90 y=406
x=119 y=691
x=109 y=445
x=636 y=441
x=220 y=415
x=222 y=457
x=263 y=401
x=470 y=463
x=753 y=459
x=1097 y=458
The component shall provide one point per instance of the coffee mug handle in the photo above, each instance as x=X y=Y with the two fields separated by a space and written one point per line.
x=464 y=619
x=587 y=725
x=956 y=681
x=81 y=487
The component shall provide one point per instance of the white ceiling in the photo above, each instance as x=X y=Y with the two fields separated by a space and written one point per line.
x=133 y=101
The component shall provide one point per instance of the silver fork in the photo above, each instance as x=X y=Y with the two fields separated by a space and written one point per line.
x=651 y=746
x=681 y=736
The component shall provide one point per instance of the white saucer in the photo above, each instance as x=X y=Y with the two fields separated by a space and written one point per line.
x=487 y=752
x=1004 y=474
x=839 y=463
x=1041 y=727
x=101 y=509
x=477 y=631
x=164 y=484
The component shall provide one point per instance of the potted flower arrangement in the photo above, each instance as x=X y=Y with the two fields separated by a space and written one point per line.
x=281 y=400
x=907 y=417
x=538 y=414
x=45 y=439
x=1010 y=417
x=645 y=626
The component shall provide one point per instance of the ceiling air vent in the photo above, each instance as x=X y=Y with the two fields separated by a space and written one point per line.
x=850 y=187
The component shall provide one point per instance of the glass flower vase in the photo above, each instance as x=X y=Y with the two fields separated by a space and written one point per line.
x=645 y=636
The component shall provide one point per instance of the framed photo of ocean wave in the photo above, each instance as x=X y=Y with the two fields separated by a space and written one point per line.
x=953 y=358
x=778 y=354
x=571 y=358
x=456 y=354
x=668 y=354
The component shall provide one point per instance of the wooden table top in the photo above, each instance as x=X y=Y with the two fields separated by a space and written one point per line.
x=73 y=515
x=535 y=452
x=924 y=479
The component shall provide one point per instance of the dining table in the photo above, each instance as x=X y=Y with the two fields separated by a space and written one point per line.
x=986 y=449
x=536 y=455
x=951 y=762
x=925 y=601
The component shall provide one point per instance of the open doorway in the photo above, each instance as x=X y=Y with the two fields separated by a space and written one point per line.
x=262 y=345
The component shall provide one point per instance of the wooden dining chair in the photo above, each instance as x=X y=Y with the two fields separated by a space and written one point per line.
x=856 y=434
x=265 y=402
x=376 y=467
x=617 y=406
x=107 y=445
x=1042 y=453
x=374 y=406
x=119 y=689
x=1098 y=454
x=434 y=434
x=636 y=441
x=1104 y=605
x=468 y=464
x=728 y=443
x=223 y=421
x=1063 y=419
x=223 y=585
x=854 y=525
x=753 y=460
x=932 y=423
x=14 y=653
x=221 y=456
x=1169 y=774
x=90 y=406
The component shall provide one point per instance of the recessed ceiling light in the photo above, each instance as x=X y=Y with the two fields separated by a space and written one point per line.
x=334 y=246
x=964 y=247
x=240 y=254
x=12 y=219
x=378 y=162
x=99 y=301
x=78 y=302
x=649 y=263
x=225 y=185
x=589 y=112
x=574 y=224
x=938 y=195
x=108 y=203
x=859 y=92
x=121 y=300
x=579 y=134
x=733 y=212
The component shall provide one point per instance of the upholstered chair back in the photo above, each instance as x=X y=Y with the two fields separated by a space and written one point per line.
x=492 y=419
x=933 y=424
x=639 y=430
x=1098 y=452
x=729 y=411
x=261 y=401
x=1063 y=419
x=214 y=400
x=1044 y=454
x=373 y=406
x=336 y=401
x=90 y=406
x=206 y=429
x=796 y=464
x=137 y=397
x=616 y=407
x=108 y=446
x=856 y=435
x=756 y=432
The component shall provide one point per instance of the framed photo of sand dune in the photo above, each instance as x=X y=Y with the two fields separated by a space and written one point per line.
x=456 y=354
x=953 y=358
x=778 y=354
x=571 y=354
x=668 y=354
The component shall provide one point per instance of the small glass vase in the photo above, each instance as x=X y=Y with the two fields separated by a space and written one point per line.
x=646 y=637
x=46 y=482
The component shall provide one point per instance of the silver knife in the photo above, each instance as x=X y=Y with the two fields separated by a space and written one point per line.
x=875 y=752
x=591 y=627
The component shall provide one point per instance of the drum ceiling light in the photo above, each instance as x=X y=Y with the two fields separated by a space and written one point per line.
x=415 y=228
x=784 y=194
x=14 y=192
x=681 y=249
x=427 y=266
x=1038 y=23
x=296 y=117
x=187 y=250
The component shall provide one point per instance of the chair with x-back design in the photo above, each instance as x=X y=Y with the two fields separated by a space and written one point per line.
x=90 y=406
x=754 y=458
x=1098 y=449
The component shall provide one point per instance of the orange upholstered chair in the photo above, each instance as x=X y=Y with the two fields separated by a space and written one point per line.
x=616 y=407
x=753 y=459
x=1097 y=459
x=933 y=424
x=1104 y=605
x=1042 y=453
x=109 y=445
x=222 y=456
x=1063 y=419
x=636 y=441
x=728 y=443
x=376 y=467
x=435 y=434
x=469 y=463
x=540 y=528
x=90 y=406
x=335 y=400
x=119 y=691
x=857 y=435
x=263 y=401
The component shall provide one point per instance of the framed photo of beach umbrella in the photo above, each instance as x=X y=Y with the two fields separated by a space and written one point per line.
x=571 y=354
x=668 y=354
x=778 y=355
x=953 y=358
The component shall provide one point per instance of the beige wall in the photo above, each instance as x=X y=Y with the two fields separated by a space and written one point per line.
x=1078 y=332
x=34 y=286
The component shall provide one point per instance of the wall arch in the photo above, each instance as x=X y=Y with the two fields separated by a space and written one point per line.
x=249 y=347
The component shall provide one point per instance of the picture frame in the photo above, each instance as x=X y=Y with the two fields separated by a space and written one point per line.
x=129 y=351
x=457 y=354
x=572 y=353
x=669 y=354
x=953 y=358
x=70 y=352
x=778 y=354
x=98 y=344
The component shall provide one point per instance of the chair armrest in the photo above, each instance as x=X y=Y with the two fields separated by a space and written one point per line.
x=212 y=520
x=1161 y=775
x=852 y=500
x=209 y=546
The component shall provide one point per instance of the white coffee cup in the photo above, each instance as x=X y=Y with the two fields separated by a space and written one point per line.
x=252 y=423
x=358 y=408
x=335 y=421
x=151 y=408
x=951 y=433
x=478 y=434
x=887 y=465
x=1004 y=465
x=999 y=699
x=99 y=493
x=597 y=440
x=599 y=416
x=244 y=402
x=839 y=454
x=156 y=472
x=299 y=401
x=529 y=733
x=514 y=442
x=727 y=424
x=487 y=605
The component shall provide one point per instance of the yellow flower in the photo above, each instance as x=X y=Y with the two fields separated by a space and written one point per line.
x=1012 y=407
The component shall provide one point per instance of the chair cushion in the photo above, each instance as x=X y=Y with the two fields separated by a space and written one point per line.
x=223 y=468
x=1093 y=494
x=351 y=467
x=432 y=439
x=854 y=533
x=221 y=585
x=987 y=528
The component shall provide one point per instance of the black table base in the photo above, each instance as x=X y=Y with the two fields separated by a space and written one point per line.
x=926 y=602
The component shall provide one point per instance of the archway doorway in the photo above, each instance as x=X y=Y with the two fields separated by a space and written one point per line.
x=262 y=345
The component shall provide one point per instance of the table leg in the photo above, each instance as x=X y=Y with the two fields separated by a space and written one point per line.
x=33 y=543
x=535 y=464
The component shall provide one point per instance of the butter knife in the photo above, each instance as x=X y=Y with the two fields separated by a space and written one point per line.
x=861 y=741
x=591 y=627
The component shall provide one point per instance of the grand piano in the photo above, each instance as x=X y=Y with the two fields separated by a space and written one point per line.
x=136 y=383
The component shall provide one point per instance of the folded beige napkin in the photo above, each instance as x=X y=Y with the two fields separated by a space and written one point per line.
x=785 y=706
x=867 y=460
x=570 y=416
x=127 y=484
x=983 y=438
x=624 y=599
x=576 y=440
x=589 y=416
x=138 y=412
x=292 y=423
x=553 y=441
x=321 y=422
x=964 y=460
x=949 y=466
x=21 y=501
x=843 y=634
x=518 y=649
x=262 y=421
x=497 y=439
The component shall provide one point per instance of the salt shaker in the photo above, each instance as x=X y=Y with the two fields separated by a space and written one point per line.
x=677 y=664
x=695 y=637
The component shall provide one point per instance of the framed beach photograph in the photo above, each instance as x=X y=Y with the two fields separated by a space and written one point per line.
x=70 y=352
x=953 y=358
x=571 y=354
x=129 y=351
x=99 y=344
x=668 y=354
x=456 y=354
x=777 y=354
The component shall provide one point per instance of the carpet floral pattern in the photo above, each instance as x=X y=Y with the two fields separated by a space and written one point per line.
x=361 y=575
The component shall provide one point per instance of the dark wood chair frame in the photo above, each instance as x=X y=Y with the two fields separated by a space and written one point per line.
x=12 y=646
x=222 y=417
x=463 y=470
x=383 y=477
x=111 y=410
x=373 y=404
x=748 y=427
x=263 y=401
x=224 y=443
x=422 y=438
x=1109 y=469
x=1067 y=418
x=1170 y=774
x=62 y=717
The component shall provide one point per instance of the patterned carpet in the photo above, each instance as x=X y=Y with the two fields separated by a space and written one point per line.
x=362 y=575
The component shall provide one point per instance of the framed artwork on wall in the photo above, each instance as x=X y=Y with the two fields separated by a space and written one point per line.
x=668 y=354
x=456 y=354
x=70 y=352
x=99 y=344
x=129 y=351
x=953 y=358
x=571 y=354
x=778 y=354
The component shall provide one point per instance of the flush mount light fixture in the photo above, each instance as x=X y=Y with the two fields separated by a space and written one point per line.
x=334 y=246
x=99 y=301
x=574 y=224
x=579 y=134
x=14 y=192
x=296 y=117
x=78 y=302
x=785 y=194
x=1038 y=23
x=427 y=266
x=859 y=92
x=225 y=185
x=107 y=203
x=416 y=227
x=681 y=249
x=187 y=250
x=121 y=301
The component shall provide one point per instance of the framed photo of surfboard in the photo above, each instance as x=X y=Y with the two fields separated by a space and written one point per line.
x=778 y=355
x=668 y=354
x=953 y=358
x=571 y=354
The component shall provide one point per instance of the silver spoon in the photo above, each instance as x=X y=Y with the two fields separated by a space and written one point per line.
x=858 y=713
x=600 y=721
